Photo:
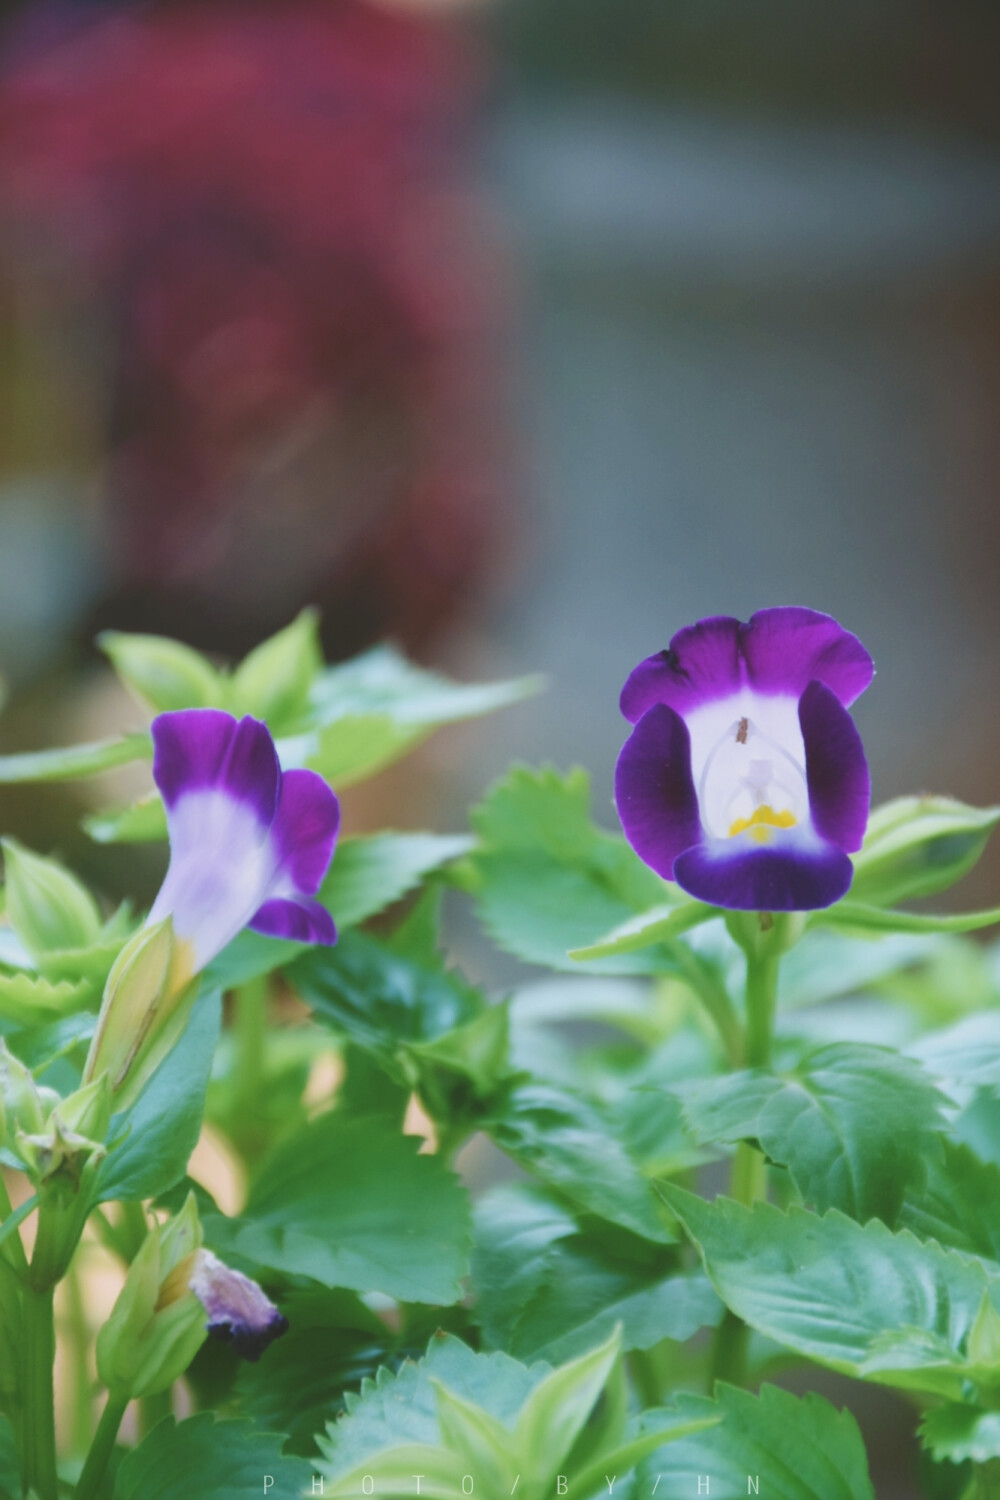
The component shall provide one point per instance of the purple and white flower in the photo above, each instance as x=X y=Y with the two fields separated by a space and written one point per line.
x=249 y=843
x=745 y=779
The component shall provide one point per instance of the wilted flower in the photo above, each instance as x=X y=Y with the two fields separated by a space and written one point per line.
x=238 y=1311
x=249 y=846
x=745 y=779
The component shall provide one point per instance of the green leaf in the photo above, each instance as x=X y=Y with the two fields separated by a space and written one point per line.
x=47 y=906
x=28 y=1000
x=549 y=1289
x=649 y=928
x=566 y=1140
x=10 y=1474
x=797 y=1448
x=402 y=1408
x=19 y=1215
x=827 y=965
x=959 y=1206
x=161 y=673
x=855 y=1125
x=369 y=874
x=553 y=1416
x=917 y=846
x=855 y=916
x=142 y=822
x=274 y=681
x=967 y=1053
x=333 y=1343
x=160 y=1130
x=956 y=1433
x=66 y=763
x=547 y=881
x=379 y=999
x=228 y=1458
x=350 y=1203
x=376 y=708
x=858 y=1299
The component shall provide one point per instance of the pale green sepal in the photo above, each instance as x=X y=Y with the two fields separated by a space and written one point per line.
x=26 y=1106
x=917 y=846
x=48 y=907
x=163 y=674
x=273 y=682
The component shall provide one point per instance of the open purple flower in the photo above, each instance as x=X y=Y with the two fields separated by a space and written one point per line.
x=745 y=779
x=249 y=843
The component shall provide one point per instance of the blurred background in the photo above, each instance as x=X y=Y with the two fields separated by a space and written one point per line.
x=523 y=333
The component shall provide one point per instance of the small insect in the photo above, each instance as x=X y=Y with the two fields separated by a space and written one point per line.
x=741 y=731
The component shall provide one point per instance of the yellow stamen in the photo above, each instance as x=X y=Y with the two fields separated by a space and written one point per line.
x=760 y=823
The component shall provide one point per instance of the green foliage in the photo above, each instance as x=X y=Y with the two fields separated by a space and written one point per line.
x=855 y=1125
x=918 y=846
x=858 y=1299
x=66 y=764
x=550 y=1286
x=229 y=1459
x=798 y=1448
x=349 y=1203
x=162 y=674
x=547 y=881
x=48 y=908
x=369 y=874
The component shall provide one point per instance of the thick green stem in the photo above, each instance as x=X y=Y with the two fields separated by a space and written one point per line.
x=250 y=1038
x=78 y=1331
x=152 y=1409
x=39 y=1423
x=101 y=1448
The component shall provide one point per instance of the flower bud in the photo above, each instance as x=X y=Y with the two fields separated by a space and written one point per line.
x=48 y=907
x=55 y=1157
x=916 y=846
x=157 y=1325
x=146 y=1003
x=26 y=1106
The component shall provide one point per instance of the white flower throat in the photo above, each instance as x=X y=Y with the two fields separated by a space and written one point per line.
x=751 y=783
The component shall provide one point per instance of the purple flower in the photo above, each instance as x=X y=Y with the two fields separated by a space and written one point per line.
x=238 y=1311
x=249 y=843
x=745 y=779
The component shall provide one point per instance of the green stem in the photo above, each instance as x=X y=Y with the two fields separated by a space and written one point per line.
x=762 y=996
x=250 y=1039
x=985 y=1483
x=101 y=1448
x=79 y=1340
x=13 y=1245
x=645 y=1377
x=152 y=1409
x=39 y=1423
x=714 y=997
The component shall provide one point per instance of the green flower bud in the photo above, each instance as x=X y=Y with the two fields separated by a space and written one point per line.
x=157 y=1325
x=88 y=1111
x=48 y=907
x=147 y=1000
x=916 y=846
x=56 y=1157
x=26 y=1106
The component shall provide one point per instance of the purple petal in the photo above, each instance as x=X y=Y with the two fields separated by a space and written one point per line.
x=238 y=1310
x=300 y=921
x=788 y=876
x=654 y=790
x=780 y=651
x=840 y=786
x=200 y=749
x=304 y=831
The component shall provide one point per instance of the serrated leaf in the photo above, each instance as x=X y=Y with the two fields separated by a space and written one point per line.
x=369 y=874
x=956 y=1433
x=859 y=1299
x=29 y=1001
x=370 y=711
x=47 y=906
x=379 y=999
x=142 y=822
x=162 y=674
x=333 y=1342
x=959 y=1205
x=350 y=1203
x=827 y=965
x=966 y=1053
x=273 y=682
x=854 y=1124
x=549 y=1289
x=229 y=1458
x=567 y=1141
x=797 y=1448
x=547 y=882
x=402 y=1408
x=65 y=763
x=160 y=1130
